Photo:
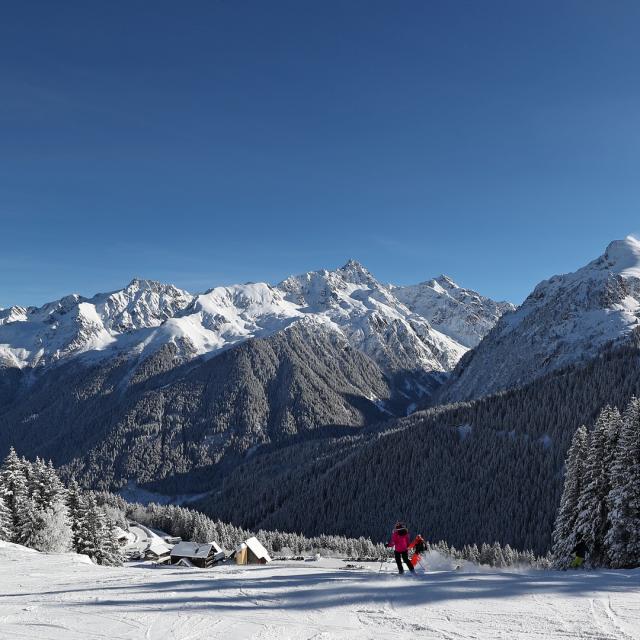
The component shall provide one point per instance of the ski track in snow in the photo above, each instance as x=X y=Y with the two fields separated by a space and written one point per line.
x=54 y=597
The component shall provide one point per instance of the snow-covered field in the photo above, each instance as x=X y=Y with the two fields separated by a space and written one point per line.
x=64 y=596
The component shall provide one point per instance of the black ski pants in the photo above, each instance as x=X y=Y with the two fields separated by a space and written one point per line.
x=400 y=556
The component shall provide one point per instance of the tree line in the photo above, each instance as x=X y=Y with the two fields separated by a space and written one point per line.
x=38 y=511
x=190 y=524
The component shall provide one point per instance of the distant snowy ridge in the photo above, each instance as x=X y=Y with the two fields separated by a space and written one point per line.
x=73 y=325
x=462 y=314
x=146 y=315
x=565 y=319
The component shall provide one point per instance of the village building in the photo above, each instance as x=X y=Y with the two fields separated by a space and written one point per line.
x=251 y=552
x=198 y=554
x=158 y=551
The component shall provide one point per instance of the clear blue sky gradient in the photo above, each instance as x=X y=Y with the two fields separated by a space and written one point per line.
x=206 y=143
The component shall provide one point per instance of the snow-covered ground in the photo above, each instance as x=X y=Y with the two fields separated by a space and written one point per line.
x=65 y=597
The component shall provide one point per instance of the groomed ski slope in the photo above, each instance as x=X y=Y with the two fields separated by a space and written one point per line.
x=63 y=596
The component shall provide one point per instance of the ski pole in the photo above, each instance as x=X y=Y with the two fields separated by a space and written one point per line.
x=384 y=559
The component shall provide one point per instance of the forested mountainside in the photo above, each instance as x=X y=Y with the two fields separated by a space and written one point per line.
x=566 y=319
x=168 y=421
x=478 y=471
x=153 y=382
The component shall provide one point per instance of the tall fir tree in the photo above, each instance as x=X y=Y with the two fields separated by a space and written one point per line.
x=564 y=533
x=592 y=522
x=76 y=508
x=623 y=538
x=14 y=482
x=12 y=475
x=95 y=537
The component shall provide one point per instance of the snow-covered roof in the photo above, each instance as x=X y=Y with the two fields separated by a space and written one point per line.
x=158 y=547
x=120 y=533
x=194 y=549
x=184 y=562
x=258 y=550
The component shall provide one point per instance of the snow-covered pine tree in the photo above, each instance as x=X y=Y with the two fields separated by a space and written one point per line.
x=6 y=521
x=509 y=556
x=623 y=538
x=54 y=489
x=36 y=483
x=76 y=508
x=14 y=478
x=592 y=522
x=564 y=533
x=484 y=557
x=25 y=516
x=52 y=533
x=496 y=557
x=95 y=537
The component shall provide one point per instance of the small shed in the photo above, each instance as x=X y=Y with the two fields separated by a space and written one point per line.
x=252 y=552
x=199 y=554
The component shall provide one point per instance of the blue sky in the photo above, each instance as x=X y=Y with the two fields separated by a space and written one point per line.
x=206 y=143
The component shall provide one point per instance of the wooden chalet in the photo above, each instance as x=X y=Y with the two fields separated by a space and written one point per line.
x=199 y=554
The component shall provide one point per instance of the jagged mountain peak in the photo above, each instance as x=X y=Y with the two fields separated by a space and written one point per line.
x=566 y=319
x=445 y=282
x=461 y=313
x=355 y=271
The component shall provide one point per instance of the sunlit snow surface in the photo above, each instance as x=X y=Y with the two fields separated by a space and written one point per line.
x=63 y=597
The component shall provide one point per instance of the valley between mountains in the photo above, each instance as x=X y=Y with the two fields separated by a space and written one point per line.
x=328 y=389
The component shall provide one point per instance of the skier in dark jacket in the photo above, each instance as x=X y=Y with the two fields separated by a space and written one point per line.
x=400 y=543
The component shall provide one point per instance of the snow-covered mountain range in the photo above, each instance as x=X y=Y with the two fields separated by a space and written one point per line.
x=566 y=319
x=426 y=328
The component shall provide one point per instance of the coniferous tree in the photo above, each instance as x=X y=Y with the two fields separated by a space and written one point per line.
x=52 y=533
x=623 y=538
x=76 y=508
x=592 y=522
x=17 y=475
x=564 y=533
x=95 y=537
x=6 y=521
x=12 y=487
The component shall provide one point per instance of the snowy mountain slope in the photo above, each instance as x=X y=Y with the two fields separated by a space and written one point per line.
x=147 y=315
x=567 y=318
x=225 y=316
x=64 y=597
x=462 y=314
x=73 y=325
x=372 y=319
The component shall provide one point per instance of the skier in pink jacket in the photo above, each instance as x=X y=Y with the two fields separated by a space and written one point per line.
x=400 y=543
